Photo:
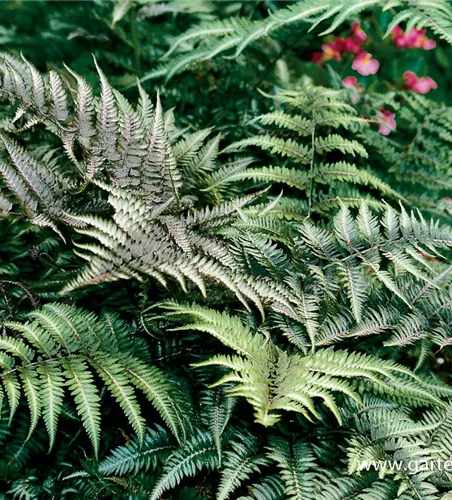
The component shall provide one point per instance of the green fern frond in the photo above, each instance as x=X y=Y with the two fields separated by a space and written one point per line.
x=241 y=461
x=217 y=408
x=73 y=345
x=295 y=382
x=138 y=455
x=199 y=452
x=288 y=148
x=268 y=488
x=294 y=462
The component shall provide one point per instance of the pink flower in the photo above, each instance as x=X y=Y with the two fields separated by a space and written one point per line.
x=358 y=34
x=429 y=44
x=331 y=50
x=386 y=120
x=317 y=57
x=351 y=45
x=398 y=35
x=415 y=38
x=351 y=82
x=334 y=49
x=410 y=77
x=364 y=64
x=337 y=44
x=421 y=85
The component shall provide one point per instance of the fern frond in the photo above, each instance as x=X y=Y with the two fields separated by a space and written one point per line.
x=138 y=455
x=288 y=148
x=199 y=452
x=294 y=462
x=239 y=34
x=240 y=462
x=217 y=408
x=297 y=380
x=86 y=396
x=73 y=346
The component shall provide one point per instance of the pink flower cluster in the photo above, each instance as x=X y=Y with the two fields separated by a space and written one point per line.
x=363 y=62
x=414 y=38
x=421 y=85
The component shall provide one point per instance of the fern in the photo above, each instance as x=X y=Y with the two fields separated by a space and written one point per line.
x=322 y=111
x=266 y=250
x=418 y=163
x=294 y=381
x=294 y=463
x=348 y=274
x=136 y=456
x=62 y=346
x=217 y=408
x=146 y=174
x=240 y=462
x=199 y=452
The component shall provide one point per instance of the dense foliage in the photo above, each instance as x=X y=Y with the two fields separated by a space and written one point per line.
x=226 y=265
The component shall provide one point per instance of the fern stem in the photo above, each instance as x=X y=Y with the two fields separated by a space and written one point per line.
x=5 y=297
x=25 y=289
x=357 y=253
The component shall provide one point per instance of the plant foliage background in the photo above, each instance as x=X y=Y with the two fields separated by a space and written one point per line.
x=225 y=262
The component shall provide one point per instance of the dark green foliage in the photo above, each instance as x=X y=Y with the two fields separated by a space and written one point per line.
x=217 y=278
